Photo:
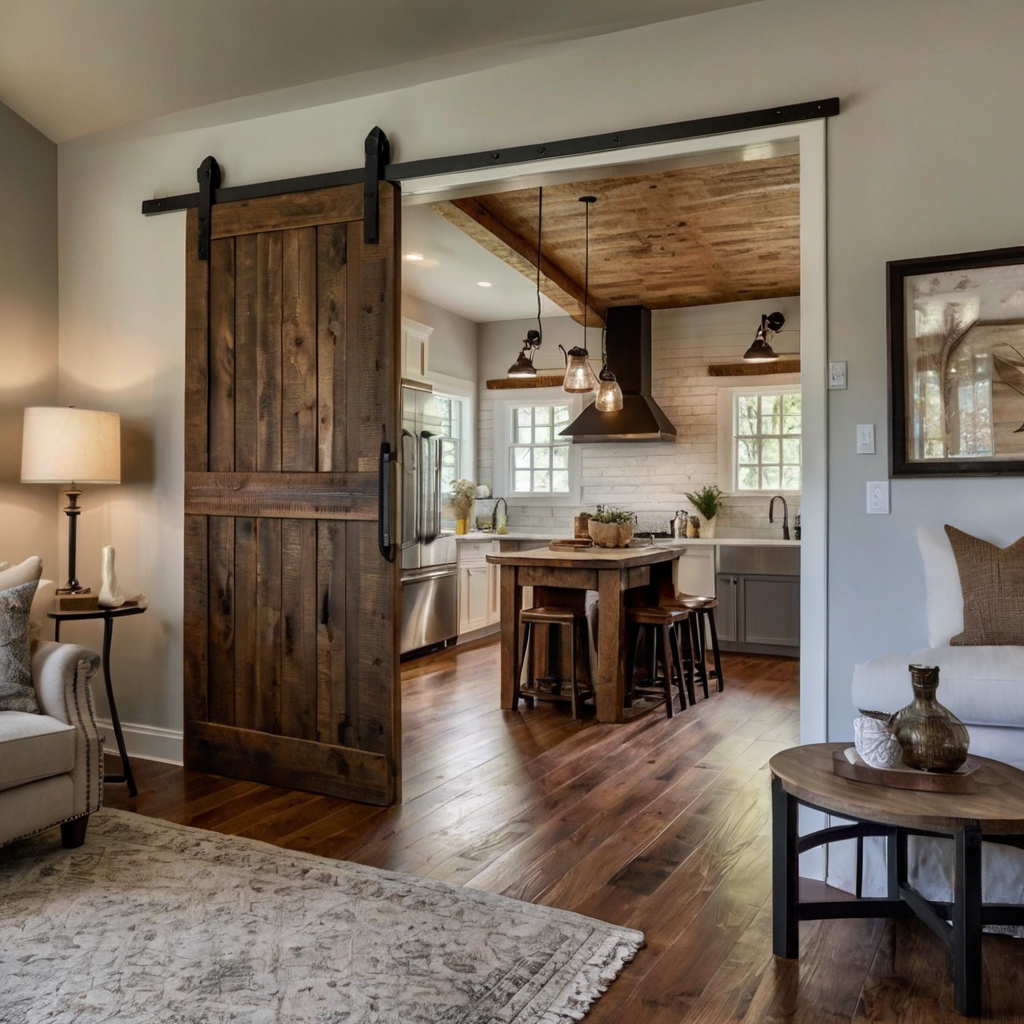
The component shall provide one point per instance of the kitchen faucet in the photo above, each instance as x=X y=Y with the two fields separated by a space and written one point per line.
x=785 y=514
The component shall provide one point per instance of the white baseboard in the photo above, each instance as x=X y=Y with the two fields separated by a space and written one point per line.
x=147 y=741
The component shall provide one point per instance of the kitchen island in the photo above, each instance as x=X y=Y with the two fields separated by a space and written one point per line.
x=620 y=576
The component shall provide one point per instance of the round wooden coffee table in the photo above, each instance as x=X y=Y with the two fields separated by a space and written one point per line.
x=994 y=813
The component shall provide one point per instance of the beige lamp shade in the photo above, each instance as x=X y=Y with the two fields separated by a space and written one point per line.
x=61 y=445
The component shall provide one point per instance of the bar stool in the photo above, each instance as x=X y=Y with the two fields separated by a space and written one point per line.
x=704 y=608
x=576 y=621
x=652 y=625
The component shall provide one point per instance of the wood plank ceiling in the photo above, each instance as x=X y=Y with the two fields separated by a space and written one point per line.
x=686 y=237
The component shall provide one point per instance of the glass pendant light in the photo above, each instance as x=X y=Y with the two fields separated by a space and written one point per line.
x=579 y=377
x=523 y=366
x=760 y=350
x=609 y=394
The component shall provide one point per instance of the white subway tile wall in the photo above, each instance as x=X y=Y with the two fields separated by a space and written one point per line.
x=652 y=479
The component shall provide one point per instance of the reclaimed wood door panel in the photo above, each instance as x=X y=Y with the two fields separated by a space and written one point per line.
x=291 y=612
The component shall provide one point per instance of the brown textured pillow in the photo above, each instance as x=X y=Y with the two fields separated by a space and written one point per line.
x=16 y=690
x=992 y=585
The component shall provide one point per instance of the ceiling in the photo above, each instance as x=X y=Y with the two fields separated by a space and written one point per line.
x=74 y=67
x=693 y=235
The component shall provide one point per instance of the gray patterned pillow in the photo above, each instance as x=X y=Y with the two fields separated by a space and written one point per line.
x=16 y=690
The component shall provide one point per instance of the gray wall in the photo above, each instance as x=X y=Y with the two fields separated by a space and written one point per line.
x=926 y=158
x=28 y=330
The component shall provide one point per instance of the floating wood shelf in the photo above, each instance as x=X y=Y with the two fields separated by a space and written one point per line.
x=542 y=380
x=741 y=369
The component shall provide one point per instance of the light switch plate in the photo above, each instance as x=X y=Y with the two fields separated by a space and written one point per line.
x=865 y=439
x=836 y=376
x=878 y=497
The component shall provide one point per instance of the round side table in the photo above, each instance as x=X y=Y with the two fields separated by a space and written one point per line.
x=994 y=813
x=107 y=615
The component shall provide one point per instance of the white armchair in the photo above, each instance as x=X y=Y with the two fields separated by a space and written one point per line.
x=51 y=764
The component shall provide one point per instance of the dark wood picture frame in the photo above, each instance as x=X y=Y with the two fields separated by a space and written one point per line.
x=901 y=462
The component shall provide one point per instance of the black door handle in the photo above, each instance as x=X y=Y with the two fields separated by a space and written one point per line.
x=384 y=503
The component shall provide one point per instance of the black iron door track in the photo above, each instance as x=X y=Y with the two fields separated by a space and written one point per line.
x=377 y=167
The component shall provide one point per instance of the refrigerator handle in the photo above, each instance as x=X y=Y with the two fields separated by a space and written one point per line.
x=426 y=507
x=437 y=487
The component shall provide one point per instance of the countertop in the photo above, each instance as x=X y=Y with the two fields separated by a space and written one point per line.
x=588 y=558
x=739 y=542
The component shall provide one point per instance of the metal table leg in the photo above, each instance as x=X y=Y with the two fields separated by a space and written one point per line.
x=126 y=767
x=785 y=874
x=967 y=922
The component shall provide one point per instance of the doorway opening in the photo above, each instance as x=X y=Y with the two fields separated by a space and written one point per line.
x=501 y=293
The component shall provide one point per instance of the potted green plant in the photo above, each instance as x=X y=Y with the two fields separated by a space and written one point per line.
x=707 y=501
x=610 y=527
x=463 y=496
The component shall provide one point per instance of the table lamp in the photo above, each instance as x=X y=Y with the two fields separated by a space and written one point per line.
x=76 y=446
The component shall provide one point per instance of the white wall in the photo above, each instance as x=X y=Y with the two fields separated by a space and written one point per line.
x=924 y=159
x=28 y=331
x=649 y=479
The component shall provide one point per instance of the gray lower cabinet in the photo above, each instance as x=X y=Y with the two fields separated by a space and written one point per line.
x=758 y=612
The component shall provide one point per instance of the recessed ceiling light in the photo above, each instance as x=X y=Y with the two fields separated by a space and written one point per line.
x=484 y=284
x=413 y=257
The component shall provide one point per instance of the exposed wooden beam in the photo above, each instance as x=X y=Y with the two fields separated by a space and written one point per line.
x=480 y=224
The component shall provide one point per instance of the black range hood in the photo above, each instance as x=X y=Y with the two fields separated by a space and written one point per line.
x=628 y=345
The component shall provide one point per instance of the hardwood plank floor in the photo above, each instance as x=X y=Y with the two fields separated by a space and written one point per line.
x=658 y=824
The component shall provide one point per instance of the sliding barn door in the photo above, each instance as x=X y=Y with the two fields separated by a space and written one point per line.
x=291 y=609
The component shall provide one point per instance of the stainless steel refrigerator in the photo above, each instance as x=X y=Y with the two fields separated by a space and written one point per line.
x=430 y=598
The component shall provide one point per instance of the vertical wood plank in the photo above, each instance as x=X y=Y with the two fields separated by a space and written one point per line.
x=331 y=631
x=298 y=612
x=194 y=623
x=372 y=653
x=299 y=351
x=268 y=352
x=221 y=620
x=246 y=711
x=331 y=291
x=222 y=355
x=348 y=389
x=197 y=350
x=268 y=625
x=245 y=353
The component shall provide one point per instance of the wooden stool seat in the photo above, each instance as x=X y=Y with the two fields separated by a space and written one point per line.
x=702 y=609
x=554 y=616
x=662 y=615
x=658 y=625
x=579 y=644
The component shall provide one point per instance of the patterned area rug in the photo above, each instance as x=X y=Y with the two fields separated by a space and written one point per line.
x=155 y=923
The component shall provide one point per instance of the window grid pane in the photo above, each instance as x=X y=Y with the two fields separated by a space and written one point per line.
x=539 y=456
x=766 y=441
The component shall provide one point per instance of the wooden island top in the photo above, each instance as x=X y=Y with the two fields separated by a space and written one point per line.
x=588 y=558
x=619 y=576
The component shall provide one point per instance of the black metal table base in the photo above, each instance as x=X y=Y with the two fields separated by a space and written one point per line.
x=958 y=923
x=126 y=766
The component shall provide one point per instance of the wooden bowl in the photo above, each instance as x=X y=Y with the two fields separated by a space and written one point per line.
x=610 y=535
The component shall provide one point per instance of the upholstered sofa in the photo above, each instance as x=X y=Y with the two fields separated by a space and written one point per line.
x=984 y=687
x=51 y=763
